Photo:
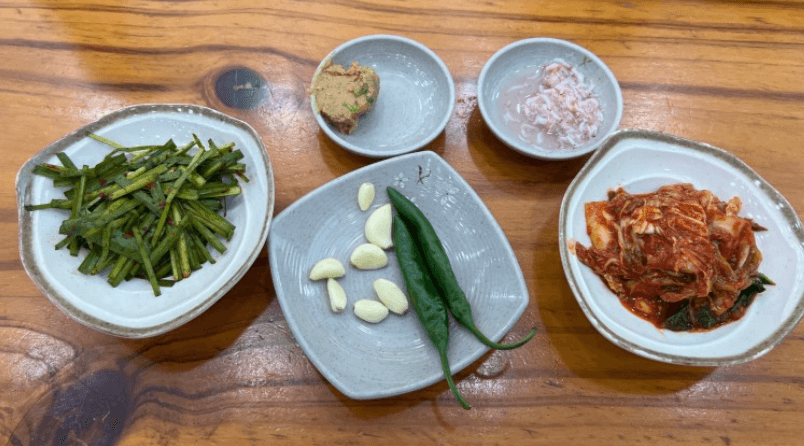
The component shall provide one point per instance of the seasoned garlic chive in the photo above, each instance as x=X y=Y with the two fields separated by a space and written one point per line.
x=146 y=211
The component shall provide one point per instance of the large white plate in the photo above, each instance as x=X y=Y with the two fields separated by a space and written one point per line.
x=131 y=309
x=365 y=360
x=643 y=161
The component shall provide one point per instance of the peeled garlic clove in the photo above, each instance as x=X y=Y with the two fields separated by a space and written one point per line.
x=370 y=310
x=368 y=256
x=337 y=296
x=365 y=196
x=391 y=296
x=328 y=268
x=378 y=227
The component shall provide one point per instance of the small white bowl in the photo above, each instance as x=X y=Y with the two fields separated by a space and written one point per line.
x=528 y=56
x=416 y=99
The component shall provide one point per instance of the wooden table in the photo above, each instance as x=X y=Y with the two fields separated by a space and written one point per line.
x=727 y=73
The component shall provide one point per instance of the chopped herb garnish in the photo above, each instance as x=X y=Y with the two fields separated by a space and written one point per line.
x=352 y=108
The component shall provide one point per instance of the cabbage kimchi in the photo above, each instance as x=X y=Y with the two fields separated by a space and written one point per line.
x=678 y=257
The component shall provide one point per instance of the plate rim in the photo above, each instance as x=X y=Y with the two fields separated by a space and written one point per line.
x=784 y=329
x=24 y=178
x=455 y=366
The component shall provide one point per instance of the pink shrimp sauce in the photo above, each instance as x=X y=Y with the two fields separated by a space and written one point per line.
x=553 y=107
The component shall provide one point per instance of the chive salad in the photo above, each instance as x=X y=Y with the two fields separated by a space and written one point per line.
x=146 y=212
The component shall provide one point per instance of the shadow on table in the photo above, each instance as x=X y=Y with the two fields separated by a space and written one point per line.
x=97 y=393
x=218 y=329
x=589 y=355
x=494 y=159
x=341 y=161
x=437 y=395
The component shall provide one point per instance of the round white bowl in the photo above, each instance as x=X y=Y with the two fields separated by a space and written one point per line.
x=641 y=161
x=416 y=99
x=529 y=55
x=131 y=310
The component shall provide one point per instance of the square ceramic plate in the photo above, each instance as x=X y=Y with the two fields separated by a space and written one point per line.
x=641 y=162
x=131 y=310
x=395 y=356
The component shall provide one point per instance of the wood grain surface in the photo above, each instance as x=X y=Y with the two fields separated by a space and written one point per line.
x=728 y=73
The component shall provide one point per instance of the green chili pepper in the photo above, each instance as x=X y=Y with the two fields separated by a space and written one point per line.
x=429 y=308
x=438 y=262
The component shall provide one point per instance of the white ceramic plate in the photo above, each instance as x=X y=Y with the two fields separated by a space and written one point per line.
x=131 y=309
x=365 y=360
x=416 y=99
x=643 y=161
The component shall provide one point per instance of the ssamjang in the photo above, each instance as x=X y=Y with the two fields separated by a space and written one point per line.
x=343 y=95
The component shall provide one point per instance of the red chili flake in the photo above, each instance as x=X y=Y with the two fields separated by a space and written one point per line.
x=103 y=195
x=162 y=205
x=169 y=221
x=128 y=234
x=150 y=185
x=102 y=181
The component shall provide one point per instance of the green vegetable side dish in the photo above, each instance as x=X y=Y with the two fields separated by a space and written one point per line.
x=436 y=259
x=148 y=215
x=424 y=297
